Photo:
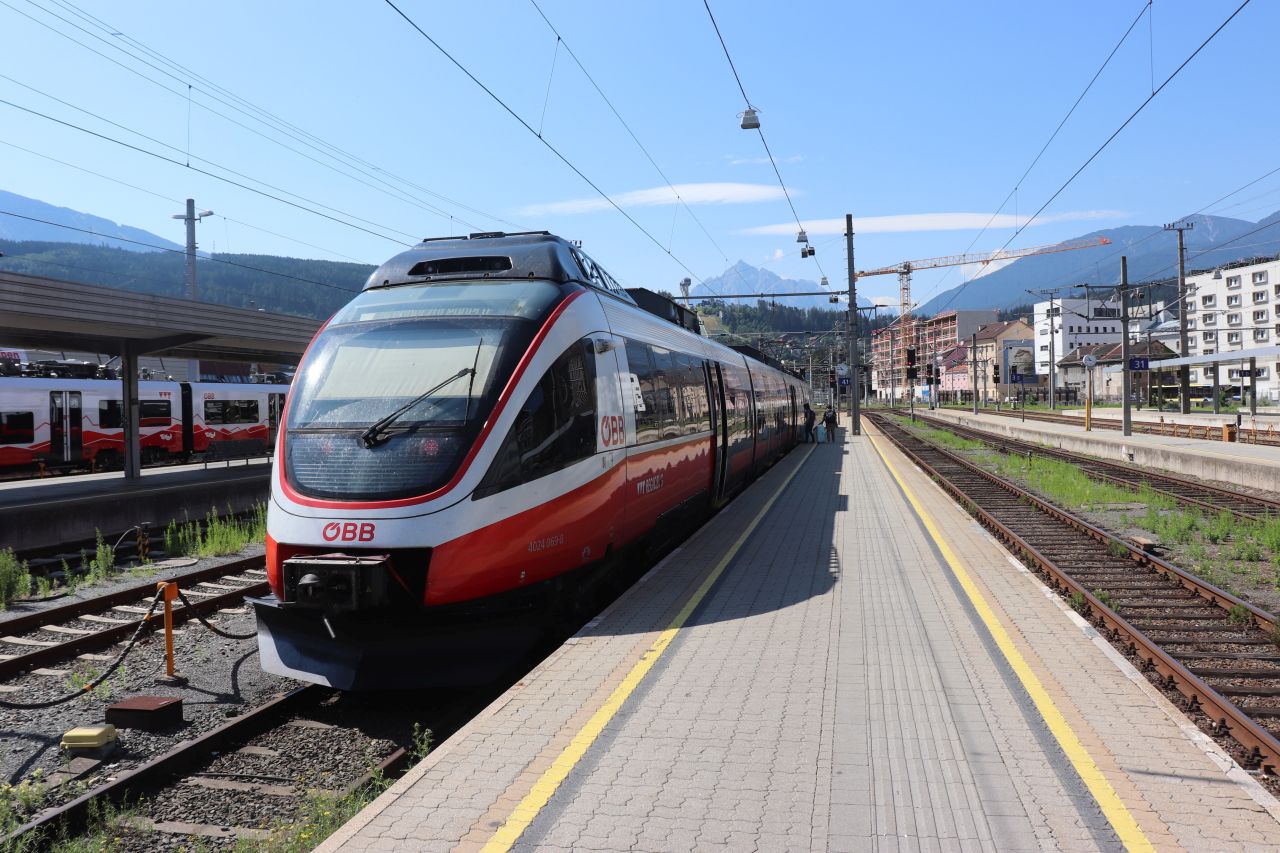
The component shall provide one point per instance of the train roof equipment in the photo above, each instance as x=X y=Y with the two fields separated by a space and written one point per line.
x=496 y=255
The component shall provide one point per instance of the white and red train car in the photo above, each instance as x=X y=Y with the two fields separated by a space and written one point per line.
x=79 y=422
x=488 y=420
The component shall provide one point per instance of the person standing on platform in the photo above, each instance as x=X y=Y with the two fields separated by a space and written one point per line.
x=810 y=418
x=829 y=421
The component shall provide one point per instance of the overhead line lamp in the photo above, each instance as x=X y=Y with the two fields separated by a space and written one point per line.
x=802 y=237
x=750 y=119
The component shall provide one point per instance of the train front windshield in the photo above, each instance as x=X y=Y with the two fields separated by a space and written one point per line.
x=395 y=389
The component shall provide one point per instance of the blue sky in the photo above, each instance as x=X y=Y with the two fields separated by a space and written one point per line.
x=917 y=118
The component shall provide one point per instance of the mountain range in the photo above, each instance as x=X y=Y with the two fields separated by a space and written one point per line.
x=111 y=255
x=1151 y=250
x=742 y=277
x=30 y=217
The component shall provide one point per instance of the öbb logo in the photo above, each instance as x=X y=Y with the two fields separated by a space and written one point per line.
x=348 y=531
x=612 y=430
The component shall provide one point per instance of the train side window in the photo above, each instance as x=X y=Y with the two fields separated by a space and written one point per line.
x=229 y=411
x=17 y=427
x=155 y=413
x=109 y=414
x=648 y=415
x=667 y=381
x=556 y=426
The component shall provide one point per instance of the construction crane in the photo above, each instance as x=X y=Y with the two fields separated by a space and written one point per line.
x=905 y=268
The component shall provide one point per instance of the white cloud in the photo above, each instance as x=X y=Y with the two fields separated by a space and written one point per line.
x=708 y=193
x=778 y=254
x=908 y=222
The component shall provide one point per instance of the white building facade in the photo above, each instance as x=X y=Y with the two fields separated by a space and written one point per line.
x=1234 y=308
x=1073 y=322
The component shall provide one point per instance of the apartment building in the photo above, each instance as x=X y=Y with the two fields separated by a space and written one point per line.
x=1063 y=325
x=1234 y=309
x=930 y=336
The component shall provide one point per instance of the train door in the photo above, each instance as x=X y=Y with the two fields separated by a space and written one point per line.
x=188 y=422
x=275 y=407
x=719 y=434
x=791 y=422
x=66 y=438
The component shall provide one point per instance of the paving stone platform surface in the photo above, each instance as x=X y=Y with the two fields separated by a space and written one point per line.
x=836 y=689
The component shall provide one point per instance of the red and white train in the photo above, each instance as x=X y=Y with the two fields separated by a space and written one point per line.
x=490 y=419
x=78 y=422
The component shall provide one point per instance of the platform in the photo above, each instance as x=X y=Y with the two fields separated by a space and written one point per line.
x=840 y=660
x=53 y=510
x=1254 y=465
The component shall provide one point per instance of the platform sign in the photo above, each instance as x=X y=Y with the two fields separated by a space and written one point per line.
x=1139 y=362
x=845 y=381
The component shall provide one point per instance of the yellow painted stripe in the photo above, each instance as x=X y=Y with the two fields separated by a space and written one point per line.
x=524 y=813
x=1121 y=819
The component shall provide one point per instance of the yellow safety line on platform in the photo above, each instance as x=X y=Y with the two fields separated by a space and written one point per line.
x=1121 y=819
x=540 y=794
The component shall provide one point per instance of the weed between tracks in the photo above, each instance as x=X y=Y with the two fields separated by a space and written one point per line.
x=218 y=536
x=1241 y=557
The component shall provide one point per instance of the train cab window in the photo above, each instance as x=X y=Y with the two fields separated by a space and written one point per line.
x=155 y=413
x=555 y=427
x=109 y=414
x=645 y=396
x=230 y=411
x=17 y=428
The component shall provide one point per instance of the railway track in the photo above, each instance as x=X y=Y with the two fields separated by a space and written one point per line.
x=1216 y=652
x=1213 y=499
x=1207 y=432
x=58 y=634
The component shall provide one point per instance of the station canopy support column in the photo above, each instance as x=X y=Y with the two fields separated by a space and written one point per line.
x=132 y=406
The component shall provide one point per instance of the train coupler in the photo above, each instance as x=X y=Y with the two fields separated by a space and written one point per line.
x=335 y=582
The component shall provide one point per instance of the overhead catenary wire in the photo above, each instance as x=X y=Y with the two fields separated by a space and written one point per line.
x=184 y=78
x=773 y=162
x=1112 y=136
x=175 y=251
x=1035 y=160
x=164 y=197
x=561 y=42
x=219 y=177
x=549 y=146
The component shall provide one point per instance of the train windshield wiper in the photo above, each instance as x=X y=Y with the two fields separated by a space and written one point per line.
x=377 y=433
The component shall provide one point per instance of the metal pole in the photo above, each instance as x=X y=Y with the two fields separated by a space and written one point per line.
x=1184 y=371
x=1126 y=382
x=132 y=411
x=855 y=360
x=1253 y=387
x=893 y=368
x=973 y=361
x=193 y=364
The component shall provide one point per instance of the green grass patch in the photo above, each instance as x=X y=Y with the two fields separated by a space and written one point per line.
x=15 y=579
x=217 y=536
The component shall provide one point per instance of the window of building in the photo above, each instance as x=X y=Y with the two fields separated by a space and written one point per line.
x=17 y=427
x=1208 y=301
x=1260 y=316
x=557 y=424
x=1208 y=336
x=1260 y=277
x=645 y=397
x=1233 y=300
x=1044 y=348
x=1071 y=329
x=1233 y=337
x=1191 y=324
x=221 y=411
x=1207 y=352
x=1259 y=296
x=1233 y=319
x=1233 y=281
x=1261 y=334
